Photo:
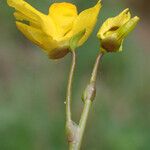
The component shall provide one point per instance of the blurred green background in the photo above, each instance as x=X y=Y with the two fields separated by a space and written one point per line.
x=32 y=87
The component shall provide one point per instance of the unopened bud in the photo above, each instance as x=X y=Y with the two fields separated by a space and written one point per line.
x=114 y=30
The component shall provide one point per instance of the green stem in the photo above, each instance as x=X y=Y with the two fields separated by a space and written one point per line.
x=89 y=96
x=96 y=65
x=69 y=123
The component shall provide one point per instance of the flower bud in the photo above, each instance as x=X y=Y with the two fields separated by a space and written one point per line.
x=114 y=30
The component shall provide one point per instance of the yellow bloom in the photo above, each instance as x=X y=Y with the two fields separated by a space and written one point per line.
x=114 y=30
x=54 y=31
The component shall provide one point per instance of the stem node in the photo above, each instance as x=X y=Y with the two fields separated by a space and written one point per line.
x=90 y=92
x=71 y=129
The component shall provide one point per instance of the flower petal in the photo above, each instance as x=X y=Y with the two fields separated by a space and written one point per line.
x=125 y=29
x=48 y=26
x=37 y=37
x=25 y=8
x=54 y=49
x=114 y=23
x=26 y=12
x=21 y=17
x=86 y=20
x=63 y=15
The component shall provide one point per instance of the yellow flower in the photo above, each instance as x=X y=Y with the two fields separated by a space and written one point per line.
x=54 y=31
x=114 y=30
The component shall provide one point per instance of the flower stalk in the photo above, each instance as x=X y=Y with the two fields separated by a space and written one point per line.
x=69 y=123
x=88 y=97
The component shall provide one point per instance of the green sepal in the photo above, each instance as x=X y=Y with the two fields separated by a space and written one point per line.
x=125 y=29
x=75 y=39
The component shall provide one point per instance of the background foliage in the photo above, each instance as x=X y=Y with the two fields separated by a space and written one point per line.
x=32 y=87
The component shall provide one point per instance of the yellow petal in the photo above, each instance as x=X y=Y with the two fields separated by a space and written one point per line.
x=25 y=8
x=63 y=15
x=24 y=11
x=125 y=29
x=54 y=49
x=37 y=37
x=22 y=17
x=86 y=20
x=114 y=23
x=48 y=26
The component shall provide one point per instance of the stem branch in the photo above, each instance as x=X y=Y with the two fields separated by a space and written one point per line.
x=89 y=96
